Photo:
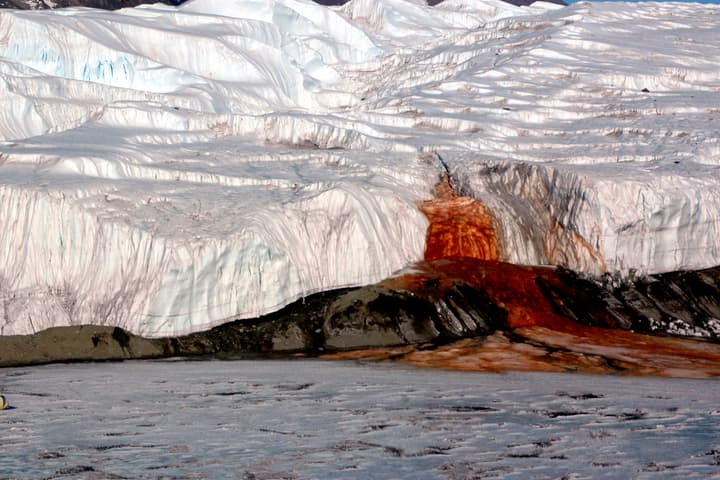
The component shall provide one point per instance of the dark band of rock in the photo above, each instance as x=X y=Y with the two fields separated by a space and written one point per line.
x=432 y=312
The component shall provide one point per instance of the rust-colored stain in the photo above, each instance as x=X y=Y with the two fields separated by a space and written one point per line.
x=589 y=350
x=560 y=254
x=536 y=337
x=512 y=287
x=461 y=246
x=459 y=226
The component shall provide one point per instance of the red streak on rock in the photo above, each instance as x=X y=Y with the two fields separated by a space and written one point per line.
x=538 y=338
x=512 y=287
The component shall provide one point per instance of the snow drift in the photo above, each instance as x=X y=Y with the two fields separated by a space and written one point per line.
x=165 y=169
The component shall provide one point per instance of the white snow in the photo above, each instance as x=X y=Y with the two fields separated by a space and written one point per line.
x=166 y=169
x=312 y=419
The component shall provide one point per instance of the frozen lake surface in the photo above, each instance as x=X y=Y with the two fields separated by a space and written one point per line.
x=314 y=419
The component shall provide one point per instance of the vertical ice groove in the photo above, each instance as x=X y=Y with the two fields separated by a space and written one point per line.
x=334 y=238
x=63 y=266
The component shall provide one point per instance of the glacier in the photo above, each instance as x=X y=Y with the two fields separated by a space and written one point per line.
x=165 y=169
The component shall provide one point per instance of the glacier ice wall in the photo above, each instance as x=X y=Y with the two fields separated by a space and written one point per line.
x=166 y=169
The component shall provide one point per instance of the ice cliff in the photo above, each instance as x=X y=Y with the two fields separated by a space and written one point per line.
x=165 y=169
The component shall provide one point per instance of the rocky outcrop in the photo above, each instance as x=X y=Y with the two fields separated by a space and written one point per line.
x=676 y=303
x=556 y=320
x=77 y=344
x=373 y=316
x=513 y=317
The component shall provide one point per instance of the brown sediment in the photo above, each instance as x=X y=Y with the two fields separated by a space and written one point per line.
x=498 y=353
x=384 y=353
x=459 y=226
x=537 y=337
x=589 y=352
x=635 y=353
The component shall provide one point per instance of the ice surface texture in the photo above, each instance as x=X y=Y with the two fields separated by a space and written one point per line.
x=166 y=169
x=309 y=420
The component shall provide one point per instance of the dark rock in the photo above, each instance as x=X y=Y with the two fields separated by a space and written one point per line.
x=295 y=328
x=433 y=311
x=583 y=301
x=466 y=312
x=375 y=317
x=79 y=343
x=678 y=303
x=381 y=317
x=121 y=337
x=371 y=316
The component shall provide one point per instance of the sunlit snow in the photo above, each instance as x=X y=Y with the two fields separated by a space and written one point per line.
x=166 y=169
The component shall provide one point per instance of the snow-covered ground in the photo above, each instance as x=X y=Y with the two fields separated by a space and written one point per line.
x=314 y=419
x=165 y=169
